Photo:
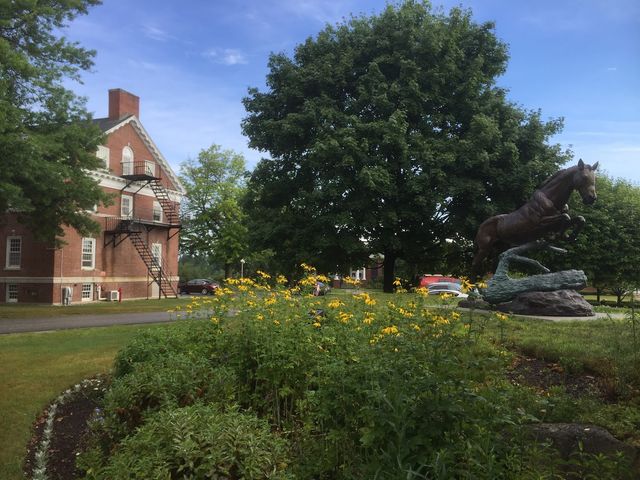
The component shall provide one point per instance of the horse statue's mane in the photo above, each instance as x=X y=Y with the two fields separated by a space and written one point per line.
x=556 y=175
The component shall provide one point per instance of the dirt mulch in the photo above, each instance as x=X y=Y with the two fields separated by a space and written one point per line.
x=543 y=375
x=70 y=429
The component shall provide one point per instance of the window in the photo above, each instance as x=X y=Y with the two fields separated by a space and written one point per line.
x=103 y=154
x=157 y=212
x=127 y=161
x=88 y=253
x=126 y=206
x=12 y=293
x=87 y=292
x=14 y=253
x=156 y=252
x=150 y=168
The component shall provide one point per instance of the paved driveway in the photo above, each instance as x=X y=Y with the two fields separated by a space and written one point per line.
x=21 y=325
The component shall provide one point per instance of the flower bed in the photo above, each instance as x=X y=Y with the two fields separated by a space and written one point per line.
x=268 y=382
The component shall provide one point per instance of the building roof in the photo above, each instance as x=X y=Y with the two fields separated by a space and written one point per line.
x=108 y=125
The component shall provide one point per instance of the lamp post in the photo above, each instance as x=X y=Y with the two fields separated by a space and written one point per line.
x=242 y=268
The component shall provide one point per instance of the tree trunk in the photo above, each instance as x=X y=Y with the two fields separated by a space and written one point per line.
x=389 y=265
x=227 y=270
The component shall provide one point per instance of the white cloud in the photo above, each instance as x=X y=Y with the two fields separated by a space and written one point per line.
x=155 y=33
x=226 y=56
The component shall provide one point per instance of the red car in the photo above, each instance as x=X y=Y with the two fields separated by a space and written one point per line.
x=428 y=279
x=199 y=285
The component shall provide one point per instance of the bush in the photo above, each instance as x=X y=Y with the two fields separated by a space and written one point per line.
x=175 y=380
x=189 y=337
x=198 y=442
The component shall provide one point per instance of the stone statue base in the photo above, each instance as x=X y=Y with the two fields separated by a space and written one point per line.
x=561 y=303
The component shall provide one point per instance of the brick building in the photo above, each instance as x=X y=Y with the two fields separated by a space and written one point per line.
x=136 y=252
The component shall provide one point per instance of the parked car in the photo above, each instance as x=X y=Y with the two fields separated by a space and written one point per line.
x=199 y=285
x=451 y=288
x=430 y=278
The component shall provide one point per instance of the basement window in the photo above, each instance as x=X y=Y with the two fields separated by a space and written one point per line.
x=87 y=292
x=12 y=293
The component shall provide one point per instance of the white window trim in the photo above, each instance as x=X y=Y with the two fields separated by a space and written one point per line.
x=8 y=289
x=127 y=161
x=156 y=248
x=157 y=208
x=150 y=168
x=93 y=254
x=8 y=265
x=103 y=154
x=82 y=292
x=130 y=214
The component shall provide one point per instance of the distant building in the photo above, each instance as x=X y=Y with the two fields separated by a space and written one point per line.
x=136 y=252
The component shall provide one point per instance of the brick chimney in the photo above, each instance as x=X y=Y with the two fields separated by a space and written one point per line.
x=123 y=103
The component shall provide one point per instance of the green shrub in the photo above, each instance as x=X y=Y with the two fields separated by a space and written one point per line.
x=197 y=442
x=189 y=337
x=175 y=380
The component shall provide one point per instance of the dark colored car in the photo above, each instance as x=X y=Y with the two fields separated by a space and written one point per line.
x=199 y=285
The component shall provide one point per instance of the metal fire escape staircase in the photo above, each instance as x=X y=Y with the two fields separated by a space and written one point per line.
x=132 y=227
x=157 y=270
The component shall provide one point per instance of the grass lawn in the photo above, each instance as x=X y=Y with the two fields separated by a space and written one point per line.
x=36 y=367
x=31 y=310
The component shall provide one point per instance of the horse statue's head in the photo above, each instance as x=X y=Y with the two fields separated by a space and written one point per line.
x=585 y=182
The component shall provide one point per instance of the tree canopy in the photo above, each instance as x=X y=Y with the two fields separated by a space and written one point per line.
x=213 y=220
x=388 y=135
x=608 y=249
x=47 y=140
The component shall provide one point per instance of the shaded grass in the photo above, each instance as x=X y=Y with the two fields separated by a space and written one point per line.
x=36 y=367
x=131 y=306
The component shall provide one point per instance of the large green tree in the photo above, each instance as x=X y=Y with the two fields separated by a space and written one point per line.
x=212 y=218
x=387 y=134
x=608 y=249
x=47 y=141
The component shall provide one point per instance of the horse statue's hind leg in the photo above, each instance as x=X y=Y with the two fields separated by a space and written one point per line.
x=485 y=239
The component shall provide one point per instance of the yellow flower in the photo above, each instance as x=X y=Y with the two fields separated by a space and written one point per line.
x=281 y=280
x=259 y=317
x=264 y=275
x=501 y=316
x=276 y=322
x=466 y=284
x=307 y=268
x=392 y=330
x=397 y=282
x=415 y=326
x=317 y=324
x=335 y=304
x=455 y=315
x=215 y=320
x=368 y=318
x=344 y=317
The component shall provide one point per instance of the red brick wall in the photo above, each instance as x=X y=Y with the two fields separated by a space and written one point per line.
x=44 y=270
x=122 y=103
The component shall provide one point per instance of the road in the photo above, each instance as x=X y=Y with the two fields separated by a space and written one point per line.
x=22 y=325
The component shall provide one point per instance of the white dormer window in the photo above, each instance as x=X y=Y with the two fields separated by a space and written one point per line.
x=157 y=212
x=127 y=161
x=103 y=154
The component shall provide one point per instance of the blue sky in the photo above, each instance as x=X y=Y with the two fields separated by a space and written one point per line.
x=191 y=63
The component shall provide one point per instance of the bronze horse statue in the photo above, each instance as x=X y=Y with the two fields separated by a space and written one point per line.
x=545 y=214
